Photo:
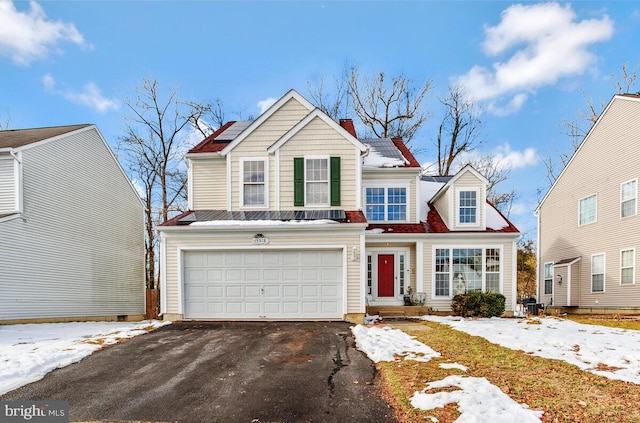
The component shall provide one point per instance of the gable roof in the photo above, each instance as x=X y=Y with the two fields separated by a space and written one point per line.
x=16 y=138
x=621 y=97
x=317 y=113
x=263 y=117
x=450 y=182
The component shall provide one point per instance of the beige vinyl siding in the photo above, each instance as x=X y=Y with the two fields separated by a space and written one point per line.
x=255 y=145
x=468 y=181
x=508 y=261
x=370 y=178
x=243 y=239
x=79 y=248
x=8 y=194
x=209 y=184
x=608 y=158
x=318 y=138
x=443 y=206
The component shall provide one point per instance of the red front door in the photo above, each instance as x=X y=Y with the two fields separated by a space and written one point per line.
x=385 y=275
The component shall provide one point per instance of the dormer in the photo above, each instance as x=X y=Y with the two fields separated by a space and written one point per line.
x=462 y=201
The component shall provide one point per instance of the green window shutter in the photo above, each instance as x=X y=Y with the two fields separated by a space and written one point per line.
x=335 y=181
x=298 y=181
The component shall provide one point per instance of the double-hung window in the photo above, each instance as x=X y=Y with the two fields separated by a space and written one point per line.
x=254 y=182
x=588 y=207
x=597 y=273
x=628 y=196
x=627 y=266
x=316 y=181
x=386 y=204
x=548 y=278
x=467 y=207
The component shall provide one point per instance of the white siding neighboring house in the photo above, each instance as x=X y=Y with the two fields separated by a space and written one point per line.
x=71 y=228
x=294 y=217
x=589 y=227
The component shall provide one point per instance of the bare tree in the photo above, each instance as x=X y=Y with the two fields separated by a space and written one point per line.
x=577 y=128
x=152 y=148
x=388 y=107
x=526 y=269
x=460 y=130
x=331 y=99
x=5 y=121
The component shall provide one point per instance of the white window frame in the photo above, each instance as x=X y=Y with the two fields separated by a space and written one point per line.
x=484 y=249
x=328 y=181
x=545 y=278
x=604 y=273
x=635 y=198
x=595 y=212
x=385 y=186
x=459 y=191
x=632 y=267
x=244 y=160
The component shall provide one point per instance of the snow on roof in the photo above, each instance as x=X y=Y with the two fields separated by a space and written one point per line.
x=428 y=189
x=383 y=153
x=493 y=219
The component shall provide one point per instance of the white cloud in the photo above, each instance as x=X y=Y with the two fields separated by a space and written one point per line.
x=549 y=44
x=266 y=103
x=90 y=96
x=30 y=35
x=506 y=158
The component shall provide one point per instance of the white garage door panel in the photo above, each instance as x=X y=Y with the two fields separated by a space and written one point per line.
x=267 y=284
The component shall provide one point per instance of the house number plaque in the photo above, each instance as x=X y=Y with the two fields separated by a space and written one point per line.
x=260 y=239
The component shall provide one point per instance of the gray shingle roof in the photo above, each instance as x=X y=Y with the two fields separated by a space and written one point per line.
x=15 y=138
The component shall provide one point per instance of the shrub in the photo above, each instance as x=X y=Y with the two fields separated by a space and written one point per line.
x=478 y=304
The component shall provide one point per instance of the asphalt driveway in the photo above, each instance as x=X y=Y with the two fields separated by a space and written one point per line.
x=222 y=372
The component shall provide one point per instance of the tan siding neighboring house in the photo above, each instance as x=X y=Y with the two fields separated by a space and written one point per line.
x=607 y=159
x=77 y=249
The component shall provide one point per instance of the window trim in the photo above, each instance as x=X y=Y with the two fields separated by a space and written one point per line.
x=635 y=198
x=595 y=213
x=481 y=247
x=545 y=279
x=632 y=267
x=604 y=273
x=328 y=181
x=459 y=191
x=386 y=186
x=265 y=160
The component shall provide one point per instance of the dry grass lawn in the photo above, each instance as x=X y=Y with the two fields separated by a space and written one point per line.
x=563 y=391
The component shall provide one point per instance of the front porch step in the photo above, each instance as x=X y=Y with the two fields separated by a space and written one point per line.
x=398 y=311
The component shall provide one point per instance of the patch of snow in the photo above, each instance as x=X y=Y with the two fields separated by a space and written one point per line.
x=369 y=320
x=28 y=352
x=386 y=344
x=453 y=366
x=585 y=346
x=374 y=231
x=375 y=159
x=478 y=400
x=427 y=190
x=493 y=219
x=263 y=222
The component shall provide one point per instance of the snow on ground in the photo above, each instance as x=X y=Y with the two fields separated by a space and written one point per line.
x=478 y=400
x=615 y=351
x=382 y=343
x=28 y=352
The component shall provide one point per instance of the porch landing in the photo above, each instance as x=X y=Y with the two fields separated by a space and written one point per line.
x=399 y=311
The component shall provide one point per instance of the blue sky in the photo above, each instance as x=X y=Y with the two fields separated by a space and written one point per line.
x=529 y=64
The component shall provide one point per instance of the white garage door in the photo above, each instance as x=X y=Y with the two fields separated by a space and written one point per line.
x=263 y=284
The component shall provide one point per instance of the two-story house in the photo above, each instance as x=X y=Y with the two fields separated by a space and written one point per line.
x=292 y=216
x=71 y=228
x=589 y=228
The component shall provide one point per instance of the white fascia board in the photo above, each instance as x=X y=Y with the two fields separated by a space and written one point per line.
x=263 y=117
x=317 y=113
x=452 y=181
x=329 y=228
x=408 y=170
x=584 y=140
x=196 y=156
